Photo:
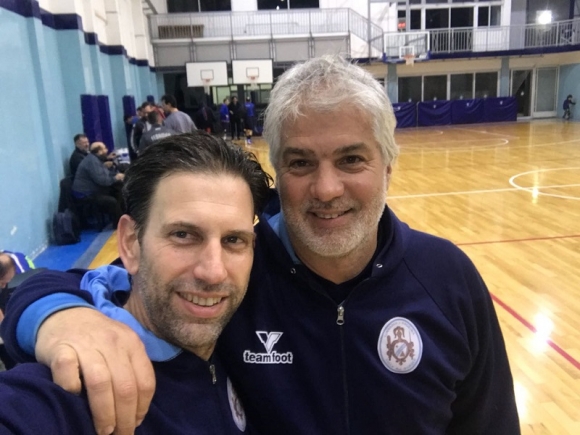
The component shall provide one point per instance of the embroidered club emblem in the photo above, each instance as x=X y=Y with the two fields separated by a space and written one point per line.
x=400 y=346
x=236 y=407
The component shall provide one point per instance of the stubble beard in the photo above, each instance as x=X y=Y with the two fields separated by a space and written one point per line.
x=336 y=243
x=173 y=327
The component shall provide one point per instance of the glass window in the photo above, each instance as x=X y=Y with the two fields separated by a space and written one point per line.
x=495 y=16
x=436 y=18
x=176 y=6
x=483 y=16
x=486 y=85
x=409 y=89
x=435 y=88
x=287 y=4
x=415 y=2
x=461 y=86
x=461 y=17
x=415 y=19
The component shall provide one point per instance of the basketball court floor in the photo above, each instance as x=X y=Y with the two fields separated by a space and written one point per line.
x=509 y=195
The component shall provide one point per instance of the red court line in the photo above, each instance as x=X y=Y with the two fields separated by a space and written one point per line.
x=532 y=328
x=531 y=239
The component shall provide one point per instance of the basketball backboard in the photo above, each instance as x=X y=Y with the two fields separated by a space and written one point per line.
x=206 y=74
x=251 y=72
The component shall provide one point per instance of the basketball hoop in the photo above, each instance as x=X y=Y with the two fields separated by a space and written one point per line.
x=409 y=59
x=253 y=84
x=206 y=85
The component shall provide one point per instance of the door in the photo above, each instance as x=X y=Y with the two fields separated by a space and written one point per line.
x=521 y=89
x=546 y=95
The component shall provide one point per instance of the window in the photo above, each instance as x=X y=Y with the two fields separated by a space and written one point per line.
x=287 y=4
x=486 y=85
x=489 y=16
x=409 y=89
x=176 y=6
x=435 y=88
x=461 y=86
x=415 y=19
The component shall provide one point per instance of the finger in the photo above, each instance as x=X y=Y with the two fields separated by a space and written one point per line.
x=99 y=387
x=145 y=376
x=65 y=368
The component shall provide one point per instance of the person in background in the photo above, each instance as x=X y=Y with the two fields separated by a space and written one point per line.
x=236 y=117
x=569 y=101
x=249 y=120
x=141 y=127
x=80 y=152
x=353 y=322
x=225 y=117
x=176 y=120
x=157 y=132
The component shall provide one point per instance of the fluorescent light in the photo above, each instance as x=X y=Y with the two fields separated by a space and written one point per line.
x=544 y=17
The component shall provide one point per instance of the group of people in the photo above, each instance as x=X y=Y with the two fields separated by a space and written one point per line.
x=236 y=308
x=96 y=177
x=238 y=119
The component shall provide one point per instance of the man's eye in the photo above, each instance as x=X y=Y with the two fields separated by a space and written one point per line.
x=180 y=234
x=298 y=163
x=352 y=160
x=233 y=240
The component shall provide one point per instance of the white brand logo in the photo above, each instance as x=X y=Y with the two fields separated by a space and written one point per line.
x=269 y=340
x=236 y=407
x=400 y=346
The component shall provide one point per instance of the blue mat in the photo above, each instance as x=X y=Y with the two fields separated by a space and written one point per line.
x=79 y=255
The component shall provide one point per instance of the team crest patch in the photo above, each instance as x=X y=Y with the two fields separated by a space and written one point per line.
x=238 y=413
x=400 y=346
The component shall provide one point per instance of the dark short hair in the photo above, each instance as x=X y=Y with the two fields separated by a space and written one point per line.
x=146 y=104
x=169 y=99
x=5 y=266
x=153 y=117
x=197 y=152
x=78 y=136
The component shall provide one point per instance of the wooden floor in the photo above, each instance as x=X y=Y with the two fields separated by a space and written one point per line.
x=509 y=196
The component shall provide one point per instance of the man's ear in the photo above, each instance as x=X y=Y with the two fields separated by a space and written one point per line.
x=128 y=244
x=389 y=173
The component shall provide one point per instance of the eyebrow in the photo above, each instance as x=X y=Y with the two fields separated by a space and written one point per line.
x=346 y=149
x=196 y=228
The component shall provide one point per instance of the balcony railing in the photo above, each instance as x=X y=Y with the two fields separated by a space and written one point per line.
x=486 y=39
x=263 y=24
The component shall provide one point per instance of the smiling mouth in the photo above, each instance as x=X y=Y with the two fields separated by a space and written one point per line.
x=202 y=302
x=321 y=215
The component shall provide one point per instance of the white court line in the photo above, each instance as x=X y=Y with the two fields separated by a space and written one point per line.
x=530 y=189
x=428 y=150
x=470 y=192
x=487 y=132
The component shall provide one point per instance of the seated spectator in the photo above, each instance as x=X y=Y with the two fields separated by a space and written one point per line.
x=157 y=132
x=81 y=150
x=96 y=183
x=11 y=264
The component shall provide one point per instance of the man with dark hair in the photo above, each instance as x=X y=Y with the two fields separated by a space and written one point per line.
x=142 y=126
x=98 y=184
x=187 y=243
x=249 y=120
x=157 y=132
x=80 y=152
x=353 y=323
x=236 y=117
x=176 y=120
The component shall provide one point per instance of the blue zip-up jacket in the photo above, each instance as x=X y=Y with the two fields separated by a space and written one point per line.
x=224 y=113
x=192 y=396
x=415 y=348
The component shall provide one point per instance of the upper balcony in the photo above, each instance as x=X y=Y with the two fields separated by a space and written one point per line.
x=300 y=34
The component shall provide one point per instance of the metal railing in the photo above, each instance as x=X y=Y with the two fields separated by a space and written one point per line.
x=484 y=39
x=263 y=23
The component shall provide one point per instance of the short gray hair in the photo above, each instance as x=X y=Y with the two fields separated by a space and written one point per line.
x=323 y=85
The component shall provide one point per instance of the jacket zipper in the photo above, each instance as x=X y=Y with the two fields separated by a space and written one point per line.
x=213 y=376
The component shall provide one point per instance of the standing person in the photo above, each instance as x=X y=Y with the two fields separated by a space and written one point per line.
x=353 y=322
x=566 y=106
x=187 y=241
x=141 y=127
x=157 y=132
x=80 y=152
x=225 y=117
x=176 y=120
x=249 y=120
x=236 y=117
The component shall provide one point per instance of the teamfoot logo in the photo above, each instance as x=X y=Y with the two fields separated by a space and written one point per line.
x=268 y=339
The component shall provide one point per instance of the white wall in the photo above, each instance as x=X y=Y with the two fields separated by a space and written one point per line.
x=244 y=5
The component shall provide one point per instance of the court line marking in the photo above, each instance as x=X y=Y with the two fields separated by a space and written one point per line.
x=532 y=328
x=536 y=171
x=487 y=132
x=529 y=239
x=429 y=150
x=505 y=189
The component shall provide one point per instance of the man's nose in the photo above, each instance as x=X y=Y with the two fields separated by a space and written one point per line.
x=210 y=266
x=327 y=184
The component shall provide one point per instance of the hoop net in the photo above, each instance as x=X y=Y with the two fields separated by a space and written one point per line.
x=409 y=59
x=206 y=85
x=253 y=84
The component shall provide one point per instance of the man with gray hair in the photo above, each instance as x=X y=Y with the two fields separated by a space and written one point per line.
x=353 y=323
